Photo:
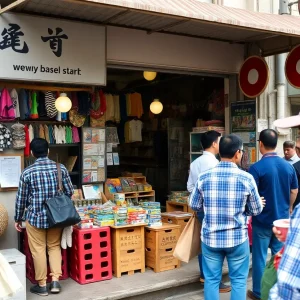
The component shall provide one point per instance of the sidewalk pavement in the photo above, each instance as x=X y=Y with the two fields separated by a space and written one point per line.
x=129 y=286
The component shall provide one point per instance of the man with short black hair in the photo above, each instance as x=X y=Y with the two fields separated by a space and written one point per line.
x=290 y=155
x=210 y=144
x=277 y=182
x=38 y=183
x=228 y=195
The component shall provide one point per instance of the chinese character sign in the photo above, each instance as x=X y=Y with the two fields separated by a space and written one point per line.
x=11 y=39
x=44 y=49
x=55 y=40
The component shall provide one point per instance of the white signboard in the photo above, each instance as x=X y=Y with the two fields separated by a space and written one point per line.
x=262 y=124
x=44 y=49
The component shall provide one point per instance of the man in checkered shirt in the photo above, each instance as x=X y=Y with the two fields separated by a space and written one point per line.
x=288 y=274
x=228 y=195
x=38 y=183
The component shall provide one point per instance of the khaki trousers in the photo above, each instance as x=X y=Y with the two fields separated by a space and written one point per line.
x=38 y=240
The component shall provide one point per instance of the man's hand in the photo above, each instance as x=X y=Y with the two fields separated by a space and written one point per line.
x=18 y=226
x=263 y=201
x=278 y=234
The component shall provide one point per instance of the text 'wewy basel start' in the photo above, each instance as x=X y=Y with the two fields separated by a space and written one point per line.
x=49 y=70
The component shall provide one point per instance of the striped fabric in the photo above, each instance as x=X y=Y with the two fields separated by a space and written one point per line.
x=228 y=195
x=50 y=105
x=288 y=274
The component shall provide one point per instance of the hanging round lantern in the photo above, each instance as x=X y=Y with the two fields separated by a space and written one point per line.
x=3 y=219
x=292 y=67
x=63 y=103
x=156 y=107
x=253 y=76
x=149 y=75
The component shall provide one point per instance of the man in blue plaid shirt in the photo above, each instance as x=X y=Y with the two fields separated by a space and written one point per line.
x=288 y=274
x=228 y=195
x=38 y=183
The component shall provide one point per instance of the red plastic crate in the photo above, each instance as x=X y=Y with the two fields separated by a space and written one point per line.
x=30 y=273
x=90 y=256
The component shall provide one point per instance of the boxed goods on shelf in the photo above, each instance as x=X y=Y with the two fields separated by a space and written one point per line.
x=153 y=213
x=160 y=243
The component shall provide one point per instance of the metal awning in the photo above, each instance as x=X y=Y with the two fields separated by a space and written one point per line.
x=272 y=34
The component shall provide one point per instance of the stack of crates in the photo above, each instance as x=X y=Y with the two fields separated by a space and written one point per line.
x=30 y=272
x=176 y=217
x=90 y=256
x=160 y=245
x=128 y=249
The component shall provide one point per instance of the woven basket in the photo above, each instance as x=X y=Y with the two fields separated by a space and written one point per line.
x=3 y=219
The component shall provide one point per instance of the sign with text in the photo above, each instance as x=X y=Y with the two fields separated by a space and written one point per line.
x=44 y=49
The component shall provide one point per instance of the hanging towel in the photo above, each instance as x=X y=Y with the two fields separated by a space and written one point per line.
x=34 y=110
x=41 y=104
x=50 y=105
x=24 y=104
x=117 y=108
x=7 y=110
x=9 y=282
x=15 y=100
x=102 y=102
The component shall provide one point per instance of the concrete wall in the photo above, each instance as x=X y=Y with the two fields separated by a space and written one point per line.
x=137 y=48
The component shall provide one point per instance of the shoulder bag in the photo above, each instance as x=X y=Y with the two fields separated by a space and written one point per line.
x=60 y=209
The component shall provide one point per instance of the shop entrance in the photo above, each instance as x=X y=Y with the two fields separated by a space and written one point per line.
x=165 y=144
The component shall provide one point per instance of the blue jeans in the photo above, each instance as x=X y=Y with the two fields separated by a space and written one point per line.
x=200 y=215
x=238 y=264
x=262 y=239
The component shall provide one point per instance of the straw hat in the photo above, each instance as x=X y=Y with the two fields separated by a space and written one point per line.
x=75 y=118
x=3 y=219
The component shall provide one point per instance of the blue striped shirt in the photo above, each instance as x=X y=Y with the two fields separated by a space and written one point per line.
x=39 y=183
x=228 y=195
x=288 y=274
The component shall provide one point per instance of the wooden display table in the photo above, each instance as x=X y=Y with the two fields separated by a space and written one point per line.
x=128 y=249
x=177 y=206
x=160 y=244
x=176 y=217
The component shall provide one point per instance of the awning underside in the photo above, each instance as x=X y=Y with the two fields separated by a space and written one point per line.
x=272 y=34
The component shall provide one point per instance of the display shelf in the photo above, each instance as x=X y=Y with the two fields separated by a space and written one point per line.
x=64 y=145
x=177 y=206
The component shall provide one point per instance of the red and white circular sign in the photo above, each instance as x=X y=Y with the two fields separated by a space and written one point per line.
x=253 y=76
x=292 y=67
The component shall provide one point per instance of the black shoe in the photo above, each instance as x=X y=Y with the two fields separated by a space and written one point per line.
x=39 y=290
x=223 y=288
x=55 y=287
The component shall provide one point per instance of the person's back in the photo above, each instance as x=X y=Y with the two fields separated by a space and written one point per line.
x=229 y=205
x=274 y=178
x=38 y=183
x=227 y=195
x=277 y=182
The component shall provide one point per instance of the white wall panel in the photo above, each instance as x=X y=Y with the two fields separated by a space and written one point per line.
x=137 y=48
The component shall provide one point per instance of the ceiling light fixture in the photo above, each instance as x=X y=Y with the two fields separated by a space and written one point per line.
x=63 y=103
x=156 y=107
x=149 y=75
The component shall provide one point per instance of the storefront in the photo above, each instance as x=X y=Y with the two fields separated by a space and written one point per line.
x=196 y=57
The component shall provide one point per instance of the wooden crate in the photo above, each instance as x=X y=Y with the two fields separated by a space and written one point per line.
x=128 y=244
x=176 y=217
x=160 y=244
x=177 y=206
